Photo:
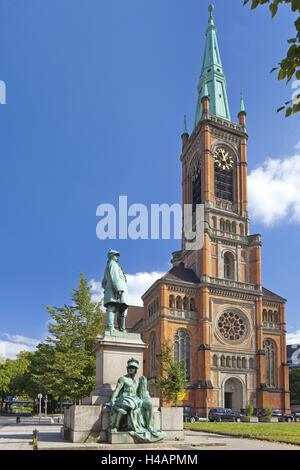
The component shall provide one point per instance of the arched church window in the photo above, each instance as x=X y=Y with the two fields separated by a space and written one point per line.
x=182 y=350
x=265 y=315
x=196 y=185
x=270 y=357
x=179 y=302
x=171 y=301
x=228 y=266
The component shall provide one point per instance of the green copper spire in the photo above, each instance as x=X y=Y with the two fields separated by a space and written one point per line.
x=212 y=77
x=242 y=106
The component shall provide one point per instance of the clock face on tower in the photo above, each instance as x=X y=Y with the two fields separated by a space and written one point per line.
x=223 y=158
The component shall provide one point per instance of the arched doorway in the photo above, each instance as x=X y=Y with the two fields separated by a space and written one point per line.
x=233 y=394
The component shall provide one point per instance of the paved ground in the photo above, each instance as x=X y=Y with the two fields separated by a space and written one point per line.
x=19 y=437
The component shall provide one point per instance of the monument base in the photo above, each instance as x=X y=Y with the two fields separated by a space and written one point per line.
x=89 y=422
x=120 y=438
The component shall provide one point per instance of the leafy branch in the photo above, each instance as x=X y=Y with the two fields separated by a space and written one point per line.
x=289 y=67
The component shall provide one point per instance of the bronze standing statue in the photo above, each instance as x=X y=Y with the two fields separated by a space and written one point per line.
x=115 y=292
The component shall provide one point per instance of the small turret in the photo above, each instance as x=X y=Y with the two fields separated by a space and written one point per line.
x=242 y=113
x=185 y=134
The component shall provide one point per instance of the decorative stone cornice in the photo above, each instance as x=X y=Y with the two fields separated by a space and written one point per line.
x=230 y=293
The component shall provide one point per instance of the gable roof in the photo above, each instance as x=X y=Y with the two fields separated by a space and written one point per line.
x=134 y=315
x=269 y=295
x=182 y=274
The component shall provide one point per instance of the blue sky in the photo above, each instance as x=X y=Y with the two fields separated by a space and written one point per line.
x=95 y=97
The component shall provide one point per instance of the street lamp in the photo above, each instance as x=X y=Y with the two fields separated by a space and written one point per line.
x=45 y=402
x=40 y=396
x=207 y=400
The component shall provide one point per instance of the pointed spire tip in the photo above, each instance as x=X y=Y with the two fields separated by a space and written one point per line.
x=242 y=103
x=184 y=126
x=211 y=9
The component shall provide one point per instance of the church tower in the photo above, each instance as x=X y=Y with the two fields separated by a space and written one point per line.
x=211 y=306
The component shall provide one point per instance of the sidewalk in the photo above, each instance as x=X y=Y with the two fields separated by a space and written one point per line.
x=19 y=437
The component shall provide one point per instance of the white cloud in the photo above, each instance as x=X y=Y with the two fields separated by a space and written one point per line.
x=16 y=343
x=293 y=338
x=297 y=146
x=22 y=339
x=137 y=285
x=273 y=190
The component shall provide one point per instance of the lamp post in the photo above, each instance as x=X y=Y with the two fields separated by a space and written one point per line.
x=207 y=400
x=40 y=396
x=45 y=402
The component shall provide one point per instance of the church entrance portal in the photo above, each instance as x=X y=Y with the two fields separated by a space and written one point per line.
x=233 y=394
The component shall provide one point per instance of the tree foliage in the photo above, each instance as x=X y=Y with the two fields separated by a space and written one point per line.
x=172 y=381
x=12 y=373
x=289 y=67
x=63 y=367
x=77 y=325
x=295 y=386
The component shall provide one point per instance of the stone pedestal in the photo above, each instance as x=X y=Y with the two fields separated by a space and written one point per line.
x=171 y=419
x=90 y=421
x=112 y=354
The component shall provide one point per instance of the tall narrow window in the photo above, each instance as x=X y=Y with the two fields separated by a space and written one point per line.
x=196 y=186
x=270 y=354
x=153 y=356
x=228 y=266
x=182 y=350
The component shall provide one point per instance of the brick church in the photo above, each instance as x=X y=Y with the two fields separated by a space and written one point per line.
x=211 y=306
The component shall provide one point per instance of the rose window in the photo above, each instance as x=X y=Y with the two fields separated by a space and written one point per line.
x=232 y=326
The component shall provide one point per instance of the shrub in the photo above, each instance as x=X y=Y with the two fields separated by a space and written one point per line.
x=249 y=409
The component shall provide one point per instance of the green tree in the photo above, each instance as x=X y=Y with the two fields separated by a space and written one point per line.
x=64 y=366
x=5 y=378
x=12 y=372
x=172 y=381
x=61 y=373
x=289 y=67
x=295 y=386
x=76 y=325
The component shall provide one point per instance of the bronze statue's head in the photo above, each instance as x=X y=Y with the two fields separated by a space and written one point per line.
x=113 y=254
x=133 y=363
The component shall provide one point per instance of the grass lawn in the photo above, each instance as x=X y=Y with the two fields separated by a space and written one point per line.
x=285 y=432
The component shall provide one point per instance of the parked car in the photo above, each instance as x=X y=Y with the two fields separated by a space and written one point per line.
x=287 y=417
x=276 y=413
x=296 y=415
x=190 y=417
x=281 y=415
x=223 y=414
x=194 y=418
